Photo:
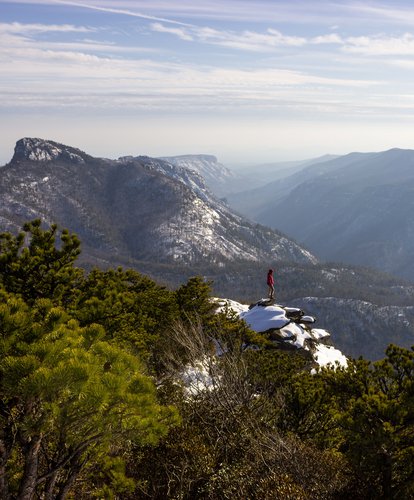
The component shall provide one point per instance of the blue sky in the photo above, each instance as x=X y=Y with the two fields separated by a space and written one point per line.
x=249 y=81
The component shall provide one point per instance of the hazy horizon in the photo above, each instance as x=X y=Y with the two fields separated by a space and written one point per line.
x=248 y=81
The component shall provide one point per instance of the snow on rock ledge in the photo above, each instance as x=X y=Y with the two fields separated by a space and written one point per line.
x=289 y=328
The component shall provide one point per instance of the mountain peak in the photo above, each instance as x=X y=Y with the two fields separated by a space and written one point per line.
x=40 y=150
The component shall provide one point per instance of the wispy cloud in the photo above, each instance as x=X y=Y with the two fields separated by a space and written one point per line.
x=331 y=38
x=246 y=40
x=397 y=13
x=403 y=63
x=16 y=38
x=35 y=60
x=89 y=80
x=271 y=40
x=23 y=29
x=47 y=73
x=117 y=10
x=318 y=12
x=179 y=32
x=381 y=45
x=270 y=11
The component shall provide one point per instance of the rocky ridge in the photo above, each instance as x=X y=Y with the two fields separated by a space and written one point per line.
x=35 y=149
x=132 y=209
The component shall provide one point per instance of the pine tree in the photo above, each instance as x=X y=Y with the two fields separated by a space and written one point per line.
x=133 y=309
x=194 y=299
x=378 y=425
x=33 y=266
x=73 y=396
x=67 y=396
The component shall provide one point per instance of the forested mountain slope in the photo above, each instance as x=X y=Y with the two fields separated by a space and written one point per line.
x=136 y=208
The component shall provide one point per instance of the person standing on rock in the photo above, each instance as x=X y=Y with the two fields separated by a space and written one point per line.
x=271 y=284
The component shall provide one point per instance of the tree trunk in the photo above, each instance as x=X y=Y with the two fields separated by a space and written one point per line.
x=31 y=464
x=74 y=469
x=50 y=486
x=386 y=476
x=66 y=487
x=4 y=487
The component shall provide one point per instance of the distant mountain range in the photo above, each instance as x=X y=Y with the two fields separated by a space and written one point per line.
x=159 y=217
x=136 y=208
x=269 y=172
x=355 y=208
x=224 y=182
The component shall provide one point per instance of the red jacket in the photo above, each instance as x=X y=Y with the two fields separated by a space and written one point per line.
x=270 y=279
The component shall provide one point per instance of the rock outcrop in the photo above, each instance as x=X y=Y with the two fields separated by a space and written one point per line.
x=289 y=328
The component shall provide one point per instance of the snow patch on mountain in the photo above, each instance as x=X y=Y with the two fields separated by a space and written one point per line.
x=198 y=377
x=326 y=355
x=206 y=165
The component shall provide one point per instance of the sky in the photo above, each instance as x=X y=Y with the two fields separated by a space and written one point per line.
x=249 y=81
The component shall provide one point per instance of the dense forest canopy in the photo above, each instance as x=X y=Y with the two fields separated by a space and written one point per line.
x=93 y=401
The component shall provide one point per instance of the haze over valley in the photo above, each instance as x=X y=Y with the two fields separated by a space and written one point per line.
x=355 y=209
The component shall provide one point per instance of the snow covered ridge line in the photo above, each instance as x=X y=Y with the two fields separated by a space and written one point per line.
x=288 y=327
